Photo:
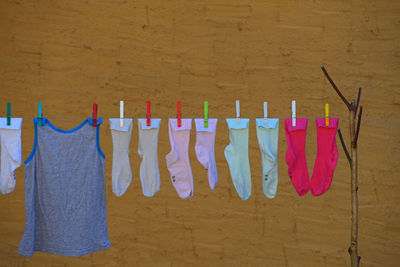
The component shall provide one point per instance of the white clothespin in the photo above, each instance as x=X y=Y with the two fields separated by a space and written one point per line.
x=293 y=113
x=237 y=111
x=121 y=113
x=265 y=112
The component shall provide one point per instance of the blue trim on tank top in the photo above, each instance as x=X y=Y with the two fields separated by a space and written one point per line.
x=45 y=120
x=100 y=121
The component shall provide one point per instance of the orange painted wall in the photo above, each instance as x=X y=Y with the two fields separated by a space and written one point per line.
x=70 y=54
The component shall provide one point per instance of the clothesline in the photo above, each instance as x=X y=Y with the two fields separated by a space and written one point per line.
x=345 y=119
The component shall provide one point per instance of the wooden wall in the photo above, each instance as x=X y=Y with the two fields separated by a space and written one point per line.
x=70 y=54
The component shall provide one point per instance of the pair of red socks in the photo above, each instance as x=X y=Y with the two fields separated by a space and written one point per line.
x=325 y=162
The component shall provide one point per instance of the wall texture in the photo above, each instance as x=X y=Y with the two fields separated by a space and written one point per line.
x=70 y=54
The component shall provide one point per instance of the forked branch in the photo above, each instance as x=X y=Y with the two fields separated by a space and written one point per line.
x=354 y=132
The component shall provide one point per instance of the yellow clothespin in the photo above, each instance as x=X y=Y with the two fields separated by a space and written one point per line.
x=326 y=114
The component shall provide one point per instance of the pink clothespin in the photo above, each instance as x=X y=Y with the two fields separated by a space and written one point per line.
x=179 y=115
x=148 y=116
x=95 y=115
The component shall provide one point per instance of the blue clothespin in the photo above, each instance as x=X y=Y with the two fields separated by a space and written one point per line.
x=8 y=114
x=40 y=115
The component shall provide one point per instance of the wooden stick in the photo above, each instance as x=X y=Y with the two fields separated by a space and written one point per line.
x=358 y=102
x=358 y=127
x=344 y=146
x=335 y=87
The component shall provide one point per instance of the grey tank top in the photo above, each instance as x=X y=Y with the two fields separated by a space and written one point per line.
x=65 y=194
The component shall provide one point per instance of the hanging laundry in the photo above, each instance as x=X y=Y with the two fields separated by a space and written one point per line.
x=178 y=162
x=296 y=155
x=327 y=155
x=10 y=137
x=65 y=194
x=148 y=151
x=204 y=148
x=267 y=135
x=237 y=156
x=121 y=167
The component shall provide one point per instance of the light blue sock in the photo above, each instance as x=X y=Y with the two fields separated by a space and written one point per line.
x=237 y=156
x=267 y=135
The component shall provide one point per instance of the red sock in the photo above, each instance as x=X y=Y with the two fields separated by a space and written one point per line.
x=327 y=155
x=296 y=155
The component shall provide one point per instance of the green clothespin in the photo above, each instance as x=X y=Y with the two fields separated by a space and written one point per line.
x=8 y=114
x=40 y=114
x=205 y=114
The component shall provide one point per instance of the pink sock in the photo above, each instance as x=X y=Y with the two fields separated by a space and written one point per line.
x=296 y=155
x=178 y=162
x=327 y=155
x=205 y=139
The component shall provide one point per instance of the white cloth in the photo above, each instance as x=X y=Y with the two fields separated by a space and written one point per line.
x=148 y=151
x=11 y=158
x=237 y=156
x=121 y=166
x=267 y=136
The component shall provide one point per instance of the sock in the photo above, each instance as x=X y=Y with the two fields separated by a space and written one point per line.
x=11 y=158
x=205 y=140
x=121 y=166
x=148 y=151
x=237 y=156
x=296 y=155
x=178 y=162
x=267 y=135
x=327 y=155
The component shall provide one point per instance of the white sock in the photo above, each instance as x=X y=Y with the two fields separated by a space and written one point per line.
x=267 y=135
x=121 y=166
x=11 y=158
x=148 y=151
x=237 y=156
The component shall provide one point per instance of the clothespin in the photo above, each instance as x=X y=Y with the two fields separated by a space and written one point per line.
x=148 y=116
x=205 y=114
x=326 y=114
x=265 y=112
x=179 y=115
x=237 y=111
x=293 y=113
x=40 y=115
x=121 y=113
x=94 y=115
x=8 y=114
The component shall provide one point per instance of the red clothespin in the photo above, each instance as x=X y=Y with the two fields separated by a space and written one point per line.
x=179 y=115
x=148 y=116
x=95 y=115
